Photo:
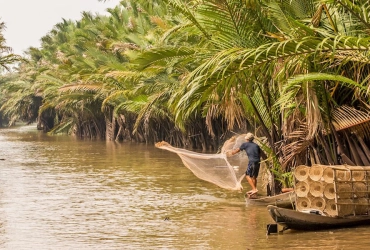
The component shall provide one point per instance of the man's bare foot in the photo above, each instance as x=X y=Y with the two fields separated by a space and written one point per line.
x=253 y=191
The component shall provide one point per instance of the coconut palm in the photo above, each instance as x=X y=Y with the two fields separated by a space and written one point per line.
x=286 y=66
x=296 y=49
x=281 y=68
x=6 y=57
x=92 y=62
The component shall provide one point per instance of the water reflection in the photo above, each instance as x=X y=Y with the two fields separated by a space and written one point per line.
x=60 y=193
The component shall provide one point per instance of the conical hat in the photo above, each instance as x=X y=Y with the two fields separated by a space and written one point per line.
x=342 y=175
x=345 y=207
x=329 y=191
x=301 y=173
x=302 y=188
x=331 y=208
x=358 y=175
x=303 y=203
x=361 y=206
x=318 y=203
x=315 y=172
x=360 y=189
x=344 y=190
x=317 y=188
x=328 y=175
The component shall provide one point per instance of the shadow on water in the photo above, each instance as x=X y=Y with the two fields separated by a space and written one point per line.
x=57 y=192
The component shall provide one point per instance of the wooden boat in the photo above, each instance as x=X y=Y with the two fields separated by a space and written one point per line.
x=281 y=200
x=291 y=219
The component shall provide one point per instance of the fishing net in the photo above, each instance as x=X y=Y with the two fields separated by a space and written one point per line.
x=225 y=172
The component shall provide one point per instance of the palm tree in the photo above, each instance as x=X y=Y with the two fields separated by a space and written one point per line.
x=287 y=67
x=7 y=59
x=82 y=72
x=281 y=68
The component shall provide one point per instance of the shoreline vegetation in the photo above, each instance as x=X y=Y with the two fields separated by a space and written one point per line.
x=195 y=73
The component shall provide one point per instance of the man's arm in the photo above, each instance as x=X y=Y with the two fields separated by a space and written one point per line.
x=233 y=152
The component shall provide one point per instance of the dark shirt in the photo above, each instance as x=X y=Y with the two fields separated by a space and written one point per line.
x=253 y=151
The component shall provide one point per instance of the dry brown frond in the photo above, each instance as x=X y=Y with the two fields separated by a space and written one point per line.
x=295 y=144
x=356 y=121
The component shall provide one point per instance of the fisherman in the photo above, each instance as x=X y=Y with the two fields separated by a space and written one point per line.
x=254 y=154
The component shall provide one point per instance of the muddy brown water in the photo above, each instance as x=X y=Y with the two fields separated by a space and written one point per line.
x=57 y=192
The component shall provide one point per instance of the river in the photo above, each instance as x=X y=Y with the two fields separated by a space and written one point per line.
x=58 y=192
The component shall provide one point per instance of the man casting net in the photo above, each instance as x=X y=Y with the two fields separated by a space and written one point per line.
x=217 y=168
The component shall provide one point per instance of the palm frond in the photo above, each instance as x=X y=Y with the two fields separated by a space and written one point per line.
x=349 y=118
x=80 y=88
x=184 y=9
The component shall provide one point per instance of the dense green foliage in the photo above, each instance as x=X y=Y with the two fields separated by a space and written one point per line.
x=6 y=60
x=194 y=72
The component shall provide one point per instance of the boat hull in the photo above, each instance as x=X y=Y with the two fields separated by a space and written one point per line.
x=292 y=219
x=281 y=200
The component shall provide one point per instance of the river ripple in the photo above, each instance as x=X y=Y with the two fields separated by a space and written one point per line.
x=57 y=192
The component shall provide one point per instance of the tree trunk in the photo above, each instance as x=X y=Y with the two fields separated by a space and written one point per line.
x=108 y=131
